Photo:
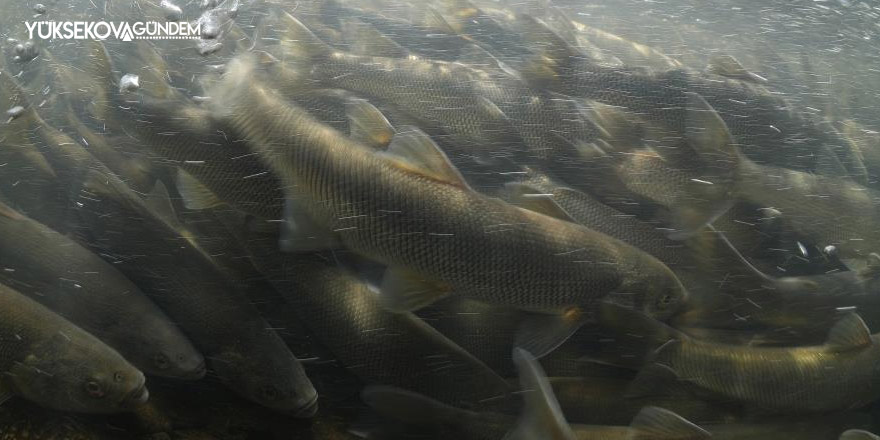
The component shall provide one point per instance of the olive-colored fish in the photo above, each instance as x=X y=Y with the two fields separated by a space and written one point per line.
x=412 y=212
x=761 y=123
x=541 y=417
x=379 y=346
x=48 y=360
x=833 y=376
x=78 y=285
x=144 y=242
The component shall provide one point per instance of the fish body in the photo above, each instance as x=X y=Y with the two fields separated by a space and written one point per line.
x=834 y=376
x=379 y=346
x=395 y=215
x=146 y=243
x=50 y=361
x=78 y=285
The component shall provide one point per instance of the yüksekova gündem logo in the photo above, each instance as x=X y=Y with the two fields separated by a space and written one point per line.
x=103 y=30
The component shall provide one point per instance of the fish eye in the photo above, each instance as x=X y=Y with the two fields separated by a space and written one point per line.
x=161 y=361
x=665 y=300
x=94 y=389
x=118 y=377
x=270 y=393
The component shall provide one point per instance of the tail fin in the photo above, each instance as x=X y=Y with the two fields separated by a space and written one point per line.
x=710 y=194
x=542 y=417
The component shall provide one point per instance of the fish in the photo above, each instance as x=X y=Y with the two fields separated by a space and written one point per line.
x=78 y=285
x=182 y=134
x=50 y=361
x=541 y=416
x=839 y=216
x=767 y=379
x=430 y=36
x=490 y=113
x=144 y=241
x=379 y=346
x=760 y=122
x=858 y=434
x=410 y=203
x=603 y=401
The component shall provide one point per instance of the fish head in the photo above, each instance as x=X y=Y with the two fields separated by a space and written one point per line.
x=157 y=347
x=182 y=363
x=78 y=373
x=276 y=382
x=665 y=297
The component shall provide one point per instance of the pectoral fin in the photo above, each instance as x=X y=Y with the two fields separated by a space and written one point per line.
x=726 y=65
x=657 y=423
x=654 y=380
x=533 y=199
x=367 y=124
x=540 y=333
x=301 y=233
x=196 y=196
x=404 y=291
x=850 y=333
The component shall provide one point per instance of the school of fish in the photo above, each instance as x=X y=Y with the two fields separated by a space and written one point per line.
x=342 y=219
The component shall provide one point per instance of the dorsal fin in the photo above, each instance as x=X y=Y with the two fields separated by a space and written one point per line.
x=159 y=202
x=476 y=56
x=656 y=423
x=529 y=197
x=367 y=124
x=433 y=19
x=726 y=65
x=8 y=212
x=849 y=333
x=299 y=41
x=364 y=39
x=414 y=150
x=706 y=132
x=196 y=196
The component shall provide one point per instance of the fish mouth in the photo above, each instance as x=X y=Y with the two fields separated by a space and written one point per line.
x=197 y=373
x=137 y=397
x=309 y=409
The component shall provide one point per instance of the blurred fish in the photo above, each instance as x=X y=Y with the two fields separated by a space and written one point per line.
x=603 y=401
x=70 y=280
x=761 y=123
x=429 y=36
x=858 y=434
x=541 y=416
x=145 y=242
x=379 y=346
x=48 y=360
x=490 y=113
x=829 y=211
x=406 y=196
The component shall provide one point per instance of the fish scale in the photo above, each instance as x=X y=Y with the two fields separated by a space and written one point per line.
x=48 y=360
x=94 y=296
x=809 y=379
x=379 y=346
x=437 y=229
